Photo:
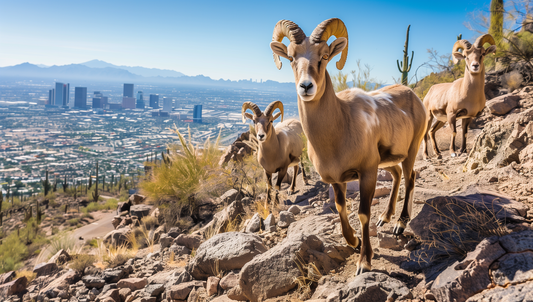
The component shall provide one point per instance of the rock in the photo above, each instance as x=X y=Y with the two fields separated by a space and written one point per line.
x=237 y=294
x=230 y=196
x=229 y=281
x=384 y=175
x=136 y=199
x=158 y=232
x=45 y=269
x=114 y=275
x=294 y=209
x=381 y=191
x=212 y=285
x=463 y=279
x=60 y=257
x=197 y=294
x=373 y=286
x=60 y=283
x=181 y=291
x=7 y=277
x=191 y=241
x=517 y=242
x=124 y=206
x=179 y=250
x=232 y=214
x=388 y=241
x=327 y=287
x=232 y=250
x=270 y=223
x=132 y=283
x=117 y=220
x=124 y=293
x=14 y=287
x=503 y=104
x=140 y=210
x=285 y=219
x=117 y=237
x=373 y=229
x=165 y=241
x=513 y=293
x=154 y=290
x=255 y=224
x=92 y=281
x=111 y=295
x=513 y=269
x=223 y=298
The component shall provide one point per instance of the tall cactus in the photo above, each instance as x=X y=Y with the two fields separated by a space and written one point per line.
x=54 y=187
x=405 y=66
x=496 y=20
x=90 y=181
x=46 y=184
x=39 y=212
x=65 y=184
x=103 y=182
x=95 y=193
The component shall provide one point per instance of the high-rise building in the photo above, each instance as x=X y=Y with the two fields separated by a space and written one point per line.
x=61 y=94
x=128 y=102
x=80 y=97
x=97 y=99
x=51 y=96
x=128 y=90
x=140 y=100
x=167 y=104
x=197 y=114
x=104 y=102
x=154 y=101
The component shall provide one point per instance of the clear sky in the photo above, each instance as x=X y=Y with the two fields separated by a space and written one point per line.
x=222 y=39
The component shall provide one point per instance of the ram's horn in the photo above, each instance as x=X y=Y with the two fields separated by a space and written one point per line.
x=273 y=106
x=331 y=27
x=289 y=29
x=251 y=106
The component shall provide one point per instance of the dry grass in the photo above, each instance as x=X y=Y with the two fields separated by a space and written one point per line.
x=112 y=256
x=148 y=237
x=173 y=262
x=82 y=261
x=232 y=225
x=310 y=275
x=150 y=222
x=28 y=274
x=215 y=269
x=261 y=209
x=512 y=80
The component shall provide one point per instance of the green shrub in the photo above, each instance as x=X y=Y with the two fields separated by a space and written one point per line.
x=12 y=252
x=82 y=261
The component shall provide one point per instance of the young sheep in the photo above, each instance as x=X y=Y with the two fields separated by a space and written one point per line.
x=280 y=147
x=463 y=99
x=352 y=133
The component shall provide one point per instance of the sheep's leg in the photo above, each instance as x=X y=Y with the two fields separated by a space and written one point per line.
x=452 y=122
x=303 y=172
x=386 y=216
x=281 y=174
x=436 y=126
x=426 y=146
x=409 y=176
x=293 y=184
x=367 y=181
x=348 y=232
x=269 y=187
x=464 y=124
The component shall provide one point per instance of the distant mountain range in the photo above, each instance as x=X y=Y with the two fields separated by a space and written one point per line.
x=100 y=71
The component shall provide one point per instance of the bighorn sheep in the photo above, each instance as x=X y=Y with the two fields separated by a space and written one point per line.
x=462 y=99
x=352 y=133
x=280 y=147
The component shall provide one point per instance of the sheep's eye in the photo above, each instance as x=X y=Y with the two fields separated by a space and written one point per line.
x=325 y=57
x=291 y=58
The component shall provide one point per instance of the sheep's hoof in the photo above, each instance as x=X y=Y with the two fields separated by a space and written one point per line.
x=290 y=192
x=453 y=154
x=381 y=222
x=439 y=156
x=399 y=227
x=362 y=269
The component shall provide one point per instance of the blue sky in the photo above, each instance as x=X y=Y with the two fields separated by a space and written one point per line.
x=222 y=39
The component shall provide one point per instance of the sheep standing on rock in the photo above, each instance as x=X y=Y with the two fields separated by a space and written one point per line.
x=463 y=99
x=280 y=147
x=352 y=133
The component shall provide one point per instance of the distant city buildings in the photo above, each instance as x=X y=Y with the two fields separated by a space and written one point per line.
x=80 y=97
x=197 y=114
x=128 y=90
x=51 y=97
x=128 y=102
x=167 y=104
x=140 y=100
x=100 y=101
x=61 y=94
x=154 y=101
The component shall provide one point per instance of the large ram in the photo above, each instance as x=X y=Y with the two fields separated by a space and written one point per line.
x=352 y=133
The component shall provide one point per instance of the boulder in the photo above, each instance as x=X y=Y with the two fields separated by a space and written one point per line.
x=154 y=290
x=132 y=283
x=140 y=210
x=191 y=241
x=270 y=223
x=110 y=295
x=114 y=275
x=136 y=199
x=285 y=219
x=179 y=250
x=117 y=237
x=60 y=283
x=45 y=269
x=60 y=257
x=93 y=281
x=513 y=268
x=7 y=277
x=212 y=285
x=174 y=232
x=255 y=223
x=231 y=250
x=294 y=209
x=374 y=286
x=503 y=104
x=182 y=290
x=388 y=241
x=124 y=206
x=14 y=287
x=229 y=281
x=384 y=175
x=512 y=293
x=165 y=241
x=230 y=196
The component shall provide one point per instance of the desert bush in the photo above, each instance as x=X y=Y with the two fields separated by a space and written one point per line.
x=113 y=256
x=361 y=78
x=12 y=252
x=81 y=261
x=149 y=222
x=512 y=80
x=110 y=204
x=28 y=274
x=73 y=221
x=310 y=275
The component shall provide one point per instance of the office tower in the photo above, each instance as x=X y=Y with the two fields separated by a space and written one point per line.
x=104 y=102
x=140 y=100
x=197 y=114
x=80 y=97
x=154 y=101
x=167 y=104
x=61 y=94
x=128 y=102
x=97 y=99
x=128 y=90
x=51 y=97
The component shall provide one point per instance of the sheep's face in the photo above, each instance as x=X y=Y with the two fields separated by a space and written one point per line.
x=308 y=62
x=263 y=125
x=474 y=58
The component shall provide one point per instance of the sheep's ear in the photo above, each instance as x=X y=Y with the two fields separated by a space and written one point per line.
x=248 y=116
x=337 y=46
x=276 y=116
x=457 y=57
x=491 y=49
x=279 y=49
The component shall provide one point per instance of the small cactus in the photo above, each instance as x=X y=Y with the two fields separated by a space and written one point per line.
x=95 y=193
x=459 y=37
x=405 y=66
x=39 y=212
x=65 y=184
x=46 y=184
x=54 y=187
x=90 y=181
x=66 y=208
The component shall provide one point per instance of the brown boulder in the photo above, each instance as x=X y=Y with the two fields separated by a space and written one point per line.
x=503 y=104
x=132 y=283
x=14 y=287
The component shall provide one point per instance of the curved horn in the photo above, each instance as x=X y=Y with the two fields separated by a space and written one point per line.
x=273 y=106
x=251 y=106
x=289 y=29
x=326 y=29
x=460 y=44
x=487 y=38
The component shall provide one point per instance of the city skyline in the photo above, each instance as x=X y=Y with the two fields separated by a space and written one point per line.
x=168 y=43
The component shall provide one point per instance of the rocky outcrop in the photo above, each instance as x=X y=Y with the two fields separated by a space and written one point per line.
x=228 y=251
x=503 y=104
x=117 y=237
x=140 y=210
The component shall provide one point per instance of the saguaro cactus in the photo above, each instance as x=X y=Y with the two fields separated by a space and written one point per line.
x=65 y=184
x=46 y=184
x=405 y=66
x=496 y=20
x=95 y=193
